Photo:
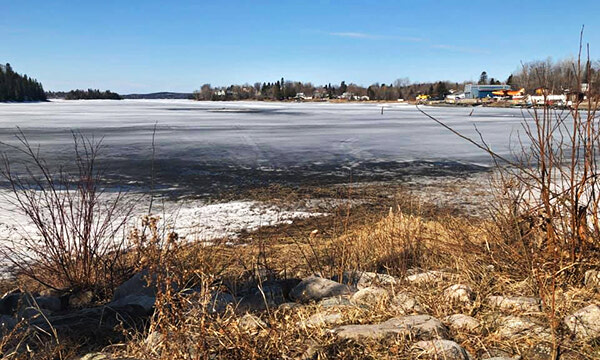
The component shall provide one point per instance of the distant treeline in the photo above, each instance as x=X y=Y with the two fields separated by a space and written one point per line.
x=159 y=95
x=281 y=90
x=19 y=88
x=89 y=94
x=555 y=76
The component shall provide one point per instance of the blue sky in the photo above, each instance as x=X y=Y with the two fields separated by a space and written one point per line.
x=145 y=46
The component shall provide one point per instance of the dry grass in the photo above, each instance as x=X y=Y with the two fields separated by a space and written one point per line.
x=396 y=243
x=480 y=253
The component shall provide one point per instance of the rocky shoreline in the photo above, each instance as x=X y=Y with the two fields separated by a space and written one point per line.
x=339 y=308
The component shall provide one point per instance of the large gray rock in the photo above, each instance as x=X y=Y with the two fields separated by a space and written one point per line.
x=9 y=304
x=440 y=349
x=220 y=301
x=462 y=322
x=51 y=303
x=270 y=294
x=585 y=323
x=405 y=303
x=81 y=299
x=335 y=301
x=422 y=327
x=31 y=313
x=315 y=288
x=370 y=296
x=251 y=323
x=7 y=323
x=514 y=327
x=139 y=284
x=459 y=293
x=31 y=307
x=515 y=303
x=143 y=301
x=364 y=279
x=427 y=277
x=323 y=319
x=91 y=323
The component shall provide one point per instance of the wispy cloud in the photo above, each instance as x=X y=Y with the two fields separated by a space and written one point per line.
x=466 y=50
x=408 y=39
x=361 y=35
x=354 y=35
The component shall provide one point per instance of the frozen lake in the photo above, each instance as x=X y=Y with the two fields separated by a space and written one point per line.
x=204 y=147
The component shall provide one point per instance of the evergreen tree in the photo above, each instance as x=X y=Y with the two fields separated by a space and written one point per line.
x=343 y=87
x=16 y=87
x=441 y=90
x=510 y=80
x=277 y=91
x=89 y=94
x=483 y=78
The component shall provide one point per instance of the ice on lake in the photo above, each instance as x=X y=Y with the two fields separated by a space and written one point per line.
x=205 y=148
x=208 y=145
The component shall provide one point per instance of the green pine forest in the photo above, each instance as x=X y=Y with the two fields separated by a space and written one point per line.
x=19 y=88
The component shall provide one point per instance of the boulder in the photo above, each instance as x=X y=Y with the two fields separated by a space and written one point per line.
x=138 y=284
x=440 y=349
x=51 y=303
x=427 y=277
x=335 y=301
x=515 y=303
x=365 y=279
x=219 y=302
x=81 y=299
x=592 y=280
x=493 y=353
x=32 y=307
x=7 y=323
x=271 y=294
x=405 y=303
x=314 y=288
x=585 y=323
x=251 y=323
x=370 y=296
x=31 y=313
x=460 y=293
x=513 y=327
x=92 y=323
x=421 y=327
x=323 y=319
x=9 y=304
x=461 y=322
x=145 y=302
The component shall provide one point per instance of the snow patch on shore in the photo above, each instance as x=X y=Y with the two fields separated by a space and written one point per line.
x=192 y=220
x=227 y=220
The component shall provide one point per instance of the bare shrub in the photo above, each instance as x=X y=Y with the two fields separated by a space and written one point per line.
x=77 y=239
x=548 y=219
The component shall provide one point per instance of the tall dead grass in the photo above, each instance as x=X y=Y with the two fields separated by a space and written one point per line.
x=547 y=222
